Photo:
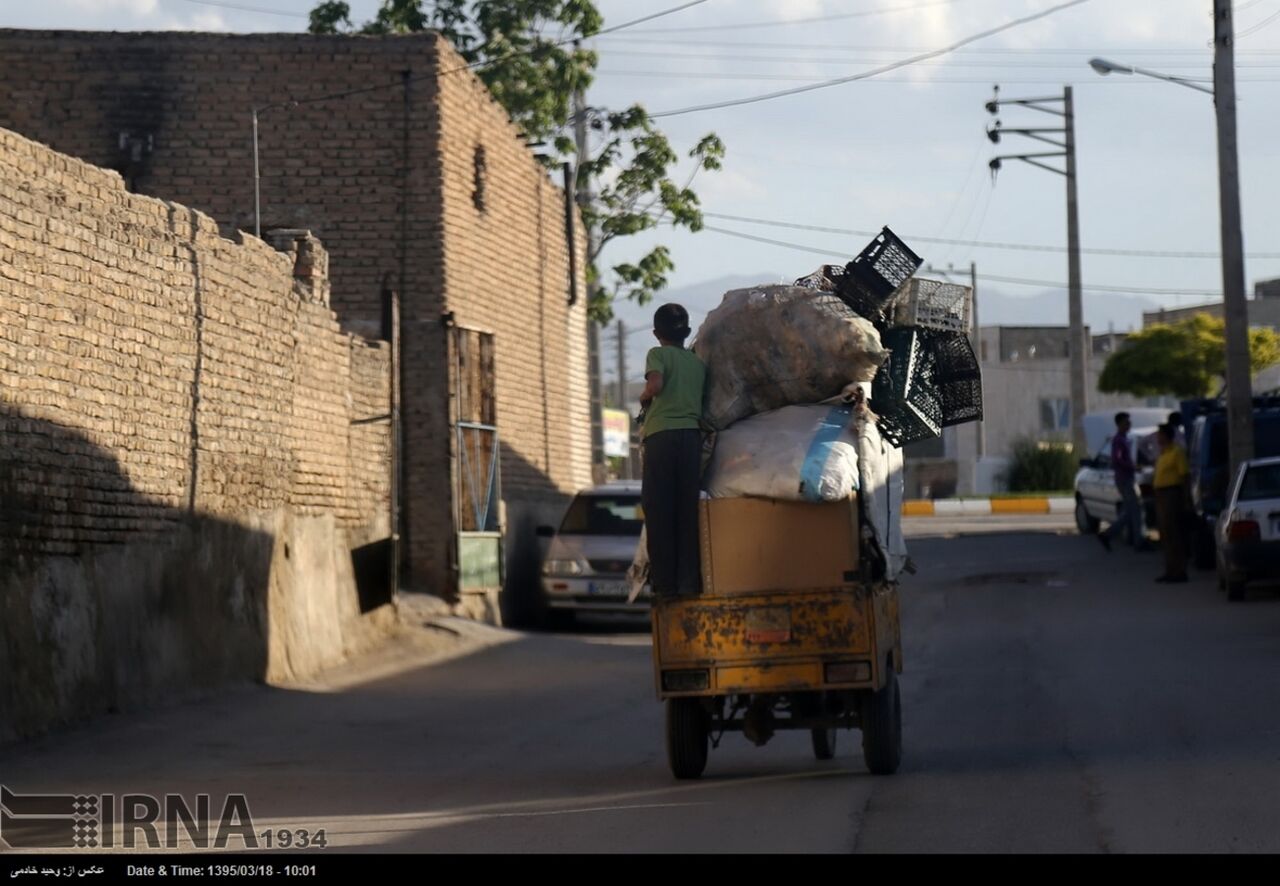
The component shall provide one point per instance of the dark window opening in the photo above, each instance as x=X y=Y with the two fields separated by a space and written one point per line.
x=480 y=178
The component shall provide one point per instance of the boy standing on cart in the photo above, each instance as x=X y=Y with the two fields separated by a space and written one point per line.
x=672 y=402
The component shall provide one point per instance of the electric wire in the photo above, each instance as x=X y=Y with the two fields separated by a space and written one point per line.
x=752 y=99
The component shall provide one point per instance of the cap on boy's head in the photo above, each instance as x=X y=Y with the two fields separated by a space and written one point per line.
x=671 y=322
x=1121 y=418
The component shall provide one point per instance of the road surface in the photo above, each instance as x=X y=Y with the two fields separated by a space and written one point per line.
x=1055 y=699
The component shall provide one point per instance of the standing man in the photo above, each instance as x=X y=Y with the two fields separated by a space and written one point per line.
x=1171 y=497
x=1127 y=484
x=672 y=403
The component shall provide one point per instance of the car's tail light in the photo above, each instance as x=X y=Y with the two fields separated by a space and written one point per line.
x=1244 y=530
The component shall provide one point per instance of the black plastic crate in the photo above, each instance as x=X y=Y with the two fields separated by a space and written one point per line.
x=957 y=376
x=904 y=393
x=871 y=279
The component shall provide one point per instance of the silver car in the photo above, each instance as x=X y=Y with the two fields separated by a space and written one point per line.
x=1098 y=500
x=586 y=565
x=1248 y=528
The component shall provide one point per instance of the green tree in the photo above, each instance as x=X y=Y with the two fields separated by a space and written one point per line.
x=1186 y=359
x=526 y=52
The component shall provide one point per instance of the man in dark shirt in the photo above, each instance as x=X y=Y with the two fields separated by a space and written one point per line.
x=1127 y=484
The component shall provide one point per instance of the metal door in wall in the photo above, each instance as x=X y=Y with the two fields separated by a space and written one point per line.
x=477 y=462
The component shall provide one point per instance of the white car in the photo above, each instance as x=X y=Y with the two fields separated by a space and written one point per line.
x=585 y=569
x=1097 y=499
x=1248 y=528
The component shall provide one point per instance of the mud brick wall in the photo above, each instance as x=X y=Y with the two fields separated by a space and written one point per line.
x=180 y=478
x=151 y=369
x=387 y=180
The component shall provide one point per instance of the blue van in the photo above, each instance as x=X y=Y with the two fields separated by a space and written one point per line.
x=1207 y=455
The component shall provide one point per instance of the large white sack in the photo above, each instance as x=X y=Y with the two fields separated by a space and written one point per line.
x=881 y=489
x=772 y=346
x=799 y=453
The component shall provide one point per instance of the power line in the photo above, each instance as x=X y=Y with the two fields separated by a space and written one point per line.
x=959 y=60
x=742 y=26
x=983 y=244
x=996 y=50
x=240 y=8
x=1259 y=26
x=829 y=254
x=872 y=73
x=468 y=67
x=1087 y=82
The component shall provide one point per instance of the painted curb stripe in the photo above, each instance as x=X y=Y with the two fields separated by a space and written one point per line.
x=950 y=507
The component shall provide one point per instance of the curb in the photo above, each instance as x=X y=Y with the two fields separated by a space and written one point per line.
x=950 y=507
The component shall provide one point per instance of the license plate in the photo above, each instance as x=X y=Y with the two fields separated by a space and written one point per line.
x=610 y=589
x=769 y=625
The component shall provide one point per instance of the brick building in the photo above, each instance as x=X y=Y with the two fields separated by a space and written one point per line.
x=397 y=158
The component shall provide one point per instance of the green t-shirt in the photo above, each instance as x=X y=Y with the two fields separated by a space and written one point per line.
x=679 y=406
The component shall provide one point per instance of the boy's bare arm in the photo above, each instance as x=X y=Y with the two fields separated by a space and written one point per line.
x=652 y=387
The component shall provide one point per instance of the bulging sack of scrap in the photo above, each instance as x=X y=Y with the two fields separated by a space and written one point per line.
x=797 y=453
x=772 y=346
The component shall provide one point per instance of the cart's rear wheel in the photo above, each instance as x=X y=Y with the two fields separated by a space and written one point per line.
x=688 y=727
x=824 y=743
x=882 y=726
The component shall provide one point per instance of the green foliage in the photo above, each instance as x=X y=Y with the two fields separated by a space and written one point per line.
x=1186 y=359
x=1037 y=466
x=527 y=54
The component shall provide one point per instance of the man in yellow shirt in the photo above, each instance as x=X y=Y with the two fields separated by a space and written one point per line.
x=1171 y=496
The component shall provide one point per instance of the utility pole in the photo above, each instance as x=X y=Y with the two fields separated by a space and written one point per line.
x=1235 y=308
x=975 y=340
x=585 y=198
x=979 y=431
x=1080 y=344
x=622 y=394
x=1079 y=347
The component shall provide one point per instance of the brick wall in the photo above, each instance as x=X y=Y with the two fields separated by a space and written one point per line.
x=180 y=478
x=506 y=271
x=151 y=369
x=179 y=103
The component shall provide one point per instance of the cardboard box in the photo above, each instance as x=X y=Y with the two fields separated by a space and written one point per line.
x=757 y=544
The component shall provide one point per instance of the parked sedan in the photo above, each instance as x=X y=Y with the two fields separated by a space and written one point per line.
x=585 y=569
x=1248 y=528
x=1098 y=500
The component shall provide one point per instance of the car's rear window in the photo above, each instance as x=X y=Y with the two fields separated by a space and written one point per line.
x=1266 y=438
x=603 y=515
x=1260 y=482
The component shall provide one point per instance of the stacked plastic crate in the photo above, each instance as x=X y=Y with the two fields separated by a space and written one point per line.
x=932 y=379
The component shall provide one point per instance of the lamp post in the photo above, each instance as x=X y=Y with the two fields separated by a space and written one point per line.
x=1235 y=308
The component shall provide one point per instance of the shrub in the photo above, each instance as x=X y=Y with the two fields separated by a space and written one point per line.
x=1040 y=466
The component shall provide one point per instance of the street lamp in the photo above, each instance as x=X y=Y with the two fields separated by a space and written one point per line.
x=1235 y=308
x=1104 y=67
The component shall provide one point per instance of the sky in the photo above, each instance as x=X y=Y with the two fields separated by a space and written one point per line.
x=909 y=149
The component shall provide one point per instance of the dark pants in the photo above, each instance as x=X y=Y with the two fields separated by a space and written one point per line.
x=1171 y=513
x=670 y=497
x=1130 y=514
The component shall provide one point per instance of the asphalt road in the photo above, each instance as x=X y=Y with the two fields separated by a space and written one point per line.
x=1055 y=699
